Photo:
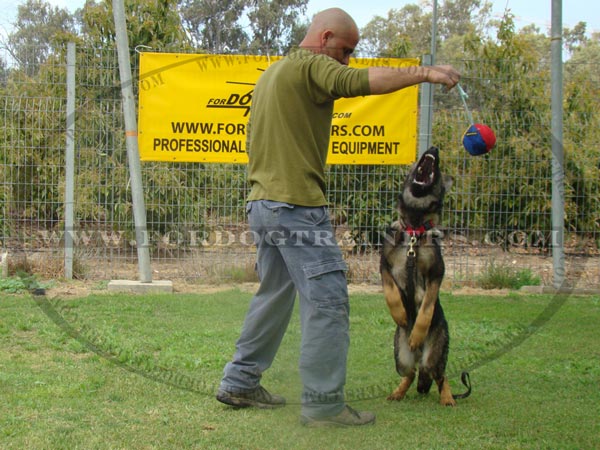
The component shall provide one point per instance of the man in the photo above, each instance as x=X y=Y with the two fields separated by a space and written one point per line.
x=288 y=138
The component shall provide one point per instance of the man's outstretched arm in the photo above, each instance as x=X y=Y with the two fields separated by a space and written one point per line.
x=383 y=80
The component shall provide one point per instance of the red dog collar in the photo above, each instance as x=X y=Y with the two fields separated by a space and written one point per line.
x=420 y=231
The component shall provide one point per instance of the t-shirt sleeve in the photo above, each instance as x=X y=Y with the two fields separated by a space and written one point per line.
x=329 y=80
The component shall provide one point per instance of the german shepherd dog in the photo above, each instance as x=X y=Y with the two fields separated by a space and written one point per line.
x=412 y=269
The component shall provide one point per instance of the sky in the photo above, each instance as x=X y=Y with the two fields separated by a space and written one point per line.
x=527 y=12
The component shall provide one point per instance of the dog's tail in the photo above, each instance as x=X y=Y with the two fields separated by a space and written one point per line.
x=466 y=380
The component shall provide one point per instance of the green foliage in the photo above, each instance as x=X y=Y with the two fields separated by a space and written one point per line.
x=498 y=276
x=460 y=17
x=20 y=283
x=507 y=77
x=214 y=26
x=509 y=89
x=40 y=29
x=12 y=285
x=363 y=202
x=403 y=33
x=4 y=199
x=271 y=23
x=152 y=23
x=237 y=274
x=406 y=32
x=31 y=126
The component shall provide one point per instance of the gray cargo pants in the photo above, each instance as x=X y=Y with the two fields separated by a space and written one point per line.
x=296 y=252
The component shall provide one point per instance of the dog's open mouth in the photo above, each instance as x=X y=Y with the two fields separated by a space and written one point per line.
x=425 y=173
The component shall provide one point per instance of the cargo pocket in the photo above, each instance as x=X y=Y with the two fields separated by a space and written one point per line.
x=316 y=215
x=274 y=206
x=327 y=285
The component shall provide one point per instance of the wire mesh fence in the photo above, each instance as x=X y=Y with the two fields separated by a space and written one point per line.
x=497 y=215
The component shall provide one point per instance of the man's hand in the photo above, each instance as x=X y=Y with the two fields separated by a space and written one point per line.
x=446 y=75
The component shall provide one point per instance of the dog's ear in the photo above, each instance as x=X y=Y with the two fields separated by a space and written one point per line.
x=447 y=181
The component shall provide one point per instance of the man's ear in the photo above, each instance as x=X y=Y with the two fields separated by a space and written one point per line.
x=325 y=36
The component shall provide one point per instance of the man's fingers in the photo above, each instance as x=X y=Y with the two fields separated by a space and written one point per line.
x=446 y=75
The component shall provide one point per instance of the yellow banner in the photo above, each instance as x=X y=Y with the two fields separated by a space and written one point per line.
x=194 y=108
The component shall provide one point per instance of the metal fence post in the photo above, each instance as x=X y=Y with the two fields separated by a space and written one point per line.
x=558 y=168
x=70 y=162
x=426 y=111
x=426 y=116
x=133 y=156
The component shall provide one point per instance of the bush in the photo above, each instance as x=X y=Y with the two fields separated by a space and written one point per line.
x=12 y=285
x=507 y=277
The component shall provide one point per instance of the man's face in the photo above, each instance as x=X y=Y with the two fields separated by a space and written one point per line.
x=340 y=46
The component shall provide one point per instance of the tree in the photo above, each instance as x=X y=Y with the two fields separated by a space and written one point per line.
x=154 y=23
x=460 y=17
x=32 y=84
x=214 y=26
x=582 y=130
x=3 y=73
x=297 y=33
x=40 y=30
x=407 y=31
x=403 y=32
x=573 y=37
x=272 y=22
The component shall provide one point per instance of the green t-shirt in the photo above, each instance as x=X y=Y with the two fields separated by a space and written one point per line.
x=290 y=123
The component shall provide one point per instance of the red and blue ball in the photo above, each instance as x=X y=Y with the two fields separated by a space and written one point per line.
x=479 y=139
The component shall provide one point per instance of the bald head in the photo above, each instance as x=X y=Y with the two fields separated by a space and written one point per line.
x=332 y=32
x=335 y=19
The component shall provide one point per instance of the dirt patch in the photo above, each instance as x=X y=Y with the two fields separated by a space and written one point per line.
x=78 y=289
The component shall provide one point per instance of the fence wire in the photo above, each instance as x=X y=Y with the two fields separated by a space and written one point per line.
x=497 y=215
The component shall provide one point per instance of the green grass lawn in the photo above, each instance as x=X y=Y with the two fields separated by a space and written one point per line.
x=143 y=371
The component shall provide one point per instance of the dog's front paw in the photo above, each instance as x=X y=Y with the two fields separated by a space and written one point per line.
x=398 y=225
x=416 y=339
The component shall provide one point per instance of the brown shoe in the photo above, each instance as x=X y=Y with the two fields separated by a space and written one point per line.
x=258 y=398
x=347 y=418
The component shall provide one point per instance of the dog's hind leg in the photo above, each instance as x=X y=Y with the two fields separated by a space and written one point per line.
x=425 y=382
x=435 y=356
x=405 y=364
x=446 y=398
x=405 y=383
